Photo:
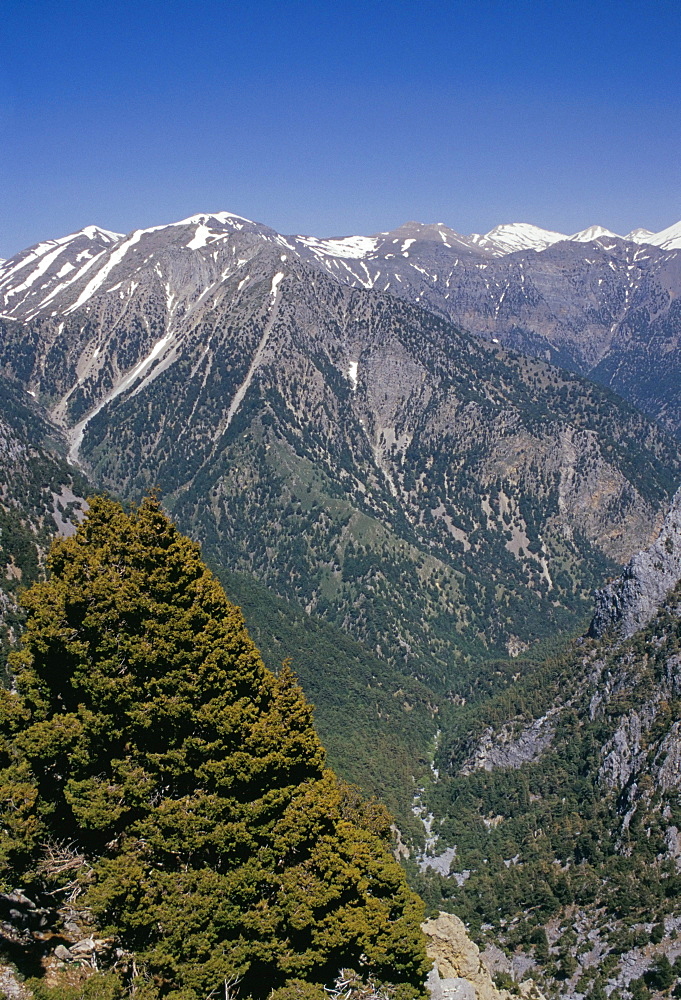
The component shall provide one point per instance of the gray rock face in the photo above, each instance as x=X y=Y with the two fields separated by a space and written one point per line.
x=451 y=989
x=627 y=604
x=507 y=748
x=641 y=762
x=10 y=985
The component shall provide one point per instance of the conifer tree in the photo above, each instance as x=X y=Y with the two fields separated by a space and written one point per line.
x=146 y=732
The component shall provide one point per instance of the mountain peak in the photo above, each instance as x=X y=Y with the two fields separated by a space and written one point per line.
x=668 y=239
x=593 y=233
x=224 y=218
x=92 y=232
x=425 y=232
x=512 y=236
x=639 y=235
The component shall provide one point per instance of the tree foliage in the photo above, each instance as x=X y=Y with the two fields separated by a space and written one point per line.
x=147 y=734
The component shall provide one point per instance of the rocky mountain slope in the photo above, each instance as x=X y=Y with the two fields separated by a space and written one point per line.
x=563 y=798
x=434 y=495
x=602 y=305
x=627 y=604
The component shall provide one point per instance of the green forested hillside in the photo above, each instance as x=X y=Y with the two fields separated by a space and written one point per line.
x=378 y=723
x=39 y=495
x=375 y=721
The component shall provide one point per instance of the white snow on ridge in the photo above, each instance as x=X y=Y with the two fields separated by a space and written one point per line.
x=65 y=284
x=42 y=256
x=204 y=217
x=592 y=233
x=516 y=236
x=348 y=246
x=201 y=237
x=668 y=239
x=639 y=236
x=92 y=231
x=524 y=236
x=101 y=276
x=37 y=252
x=44 y=264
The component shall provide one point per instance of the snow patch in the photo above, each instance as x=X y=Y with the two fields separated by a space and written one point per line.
x=126 y=382
x=667 y=239
x=200 y=238
x=42 y=267
x=225 y=218
x=350 y=246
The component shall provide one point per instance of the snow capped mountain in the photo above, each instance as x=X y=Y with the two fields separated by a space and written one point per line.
x=64 y=273
x=427 y=264
x=592 y=233
x=668 y=239
x=517 y=236
x=524 y=236
x=61 y=275
x=639 y=235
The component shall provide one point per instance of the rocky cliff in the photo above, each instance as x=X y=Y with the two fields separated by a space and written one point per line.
x=459 y=972
x=627 y=604
x=565 y=813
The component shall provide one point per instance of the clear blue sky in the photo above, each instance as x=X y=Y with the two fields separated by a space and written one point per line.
x=335 y=116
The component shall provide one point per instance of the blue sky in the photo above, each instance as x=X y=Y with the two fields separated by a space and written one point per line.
x=339 y=117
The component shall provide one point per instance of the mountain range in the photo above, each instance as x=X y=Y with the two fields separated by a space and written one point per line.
x=411 y=457
x=226 y=364
x=596 y=303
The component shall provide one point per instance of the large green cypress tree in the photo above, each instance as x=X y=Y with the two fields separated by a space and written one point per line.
x=147 y=734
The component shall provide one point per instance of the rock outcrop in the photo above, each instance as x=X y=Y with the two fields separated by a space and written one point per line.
x=458 y=970
x=630 y=601
x=506 y=747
